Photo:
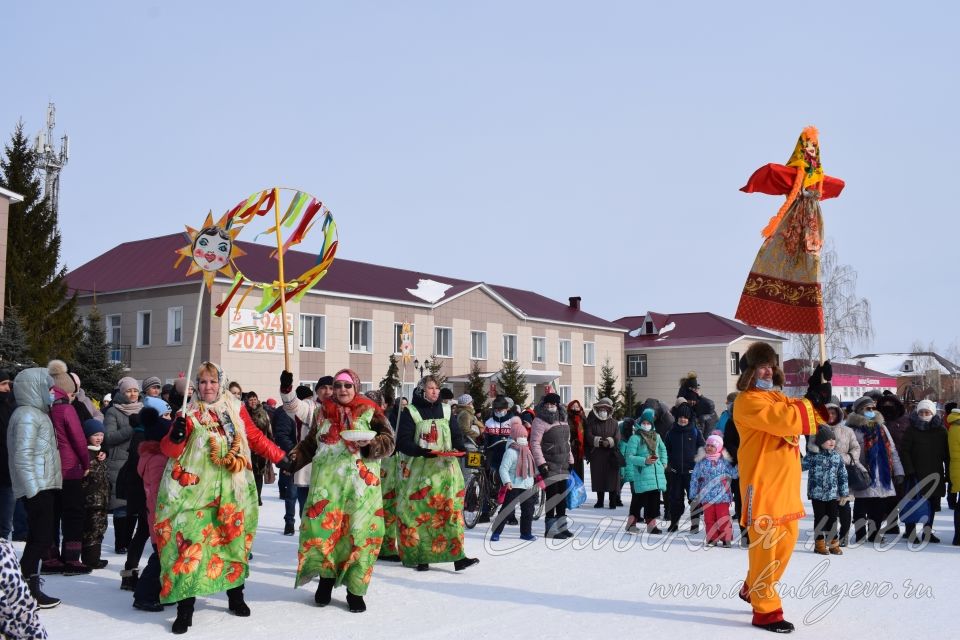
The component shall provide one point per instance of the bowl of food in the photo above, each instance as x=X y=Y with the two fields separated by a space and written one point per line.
x=358 y=436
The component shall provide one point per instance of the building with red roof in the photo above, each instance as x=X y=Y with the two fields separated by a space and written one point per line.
x=850 y=381
x=662 y=348
x=351 y=318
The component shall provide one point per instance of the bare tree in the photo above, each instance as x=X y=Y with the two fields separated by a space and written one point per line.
x=846 y=317
x=926 y=368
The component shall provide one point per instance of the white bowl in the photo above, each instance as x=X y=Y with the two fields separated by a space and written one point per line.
x=356 y=435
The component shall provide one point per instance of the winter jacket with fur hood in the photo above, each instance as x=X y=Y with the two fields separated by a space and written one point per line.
x=711 y=479
x=74 y=458
x=548 y=449
x=31 y=440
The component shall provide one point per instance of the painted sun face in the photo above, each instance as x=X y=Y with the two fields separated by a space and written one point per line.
x=211 y=251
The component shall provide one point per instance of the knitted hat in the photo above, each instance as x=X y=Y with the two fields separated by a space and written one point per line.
x=824 y=433
x=716 y=440
x=92 y=426
x=465 y=399
x=527 y=417
x=5 y=374
x=158 y=404
x=270 y=402
x=683 y=411
x=125 y=384
x=61 y=379
x=152 y=381
x=107 y=397
x=551 y=398
x=861 y=404
x=446 y=394
x=648 y=414
x=757 y=354
x=929 y=405
x=517 y=430
x=303 y=392
x=325 y=381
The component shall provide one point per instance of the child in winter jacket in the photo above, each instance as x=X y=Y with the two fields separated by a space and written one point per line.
x=826 y=486
x=517 y=472
x=646 y=458
x=150 y=467
x=711 y=486
x=96 y=495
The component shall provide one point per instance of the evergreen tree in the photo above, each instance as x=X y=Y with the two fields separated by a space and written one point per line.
x=477 y=387
x=629 y=404
x=98 y=376
x=391 y=381
x=13 y=340
x=608 y=387
x=513 y=383
x=434 y=366
x=35 y=283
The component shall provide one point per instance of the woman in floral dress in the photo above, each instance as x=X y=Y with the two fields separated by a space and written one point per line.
x=429 y=486
x=207 y=511
x=342 y=525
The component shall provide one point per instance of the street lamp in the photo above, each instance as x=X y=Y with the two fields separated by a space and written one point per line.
x=421 y=367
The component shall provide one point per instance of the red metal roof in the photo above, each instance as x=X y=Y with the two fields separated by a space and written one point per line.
x=796 y=365
x=690 y=329
x=143 y=264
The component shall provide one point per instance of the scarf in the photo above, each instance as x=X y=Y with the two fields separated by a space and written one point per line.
x=576 y=427
x=341 y=416
x=713 y=457
x=128 y=409
x=650 y=439
x=524 y=460
x=876 y=444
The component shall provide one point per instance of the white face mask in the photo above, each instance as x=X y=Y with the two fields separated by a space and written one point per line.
x=499 y=414
x=645 y=426
x=602 y=415
x=522 y=442
x=925 y=418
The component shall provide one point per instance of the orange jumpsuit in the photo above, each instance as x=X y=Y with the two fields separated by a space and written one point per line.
x=770 y=424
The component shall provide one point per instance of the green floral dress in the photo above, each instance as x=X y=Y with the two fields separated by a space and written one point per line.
x=430 y=497
x=389 y=475
x=206 y=515
x=342 y=526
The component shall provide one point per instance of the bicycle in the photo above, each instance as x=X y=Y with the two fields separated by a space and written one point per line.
x=479 y=488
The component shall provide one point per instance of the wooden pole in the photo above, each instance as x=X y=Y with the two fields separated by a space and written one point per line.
x=283 y=282
x=193 y=347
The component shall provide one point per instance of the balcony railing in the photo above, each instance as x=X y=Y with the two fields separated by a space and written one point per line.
x=120 y=354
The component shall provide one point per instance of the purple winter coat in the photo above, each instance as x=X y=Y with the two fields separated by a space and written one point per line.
x=72 y=444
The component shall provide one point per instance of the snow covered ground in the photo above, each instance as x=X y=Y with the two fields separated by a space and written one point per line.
x=603 y=583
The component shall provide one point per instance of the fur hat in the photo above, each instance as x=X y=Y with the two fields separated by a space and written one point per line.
x=500 y=402
x=61 y=376
x=551 y=398
x=325 y=381
x=446 y=393
x=603 y=402
x=152 y=381
x=824 y=433
x=303 y=392
x=758 y=353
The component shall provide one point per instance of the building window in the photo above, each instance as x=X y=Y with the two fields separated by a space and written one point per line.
x=443 y=342
x=734 y=363
x=313 y=332
x=398 y=341
x=565 y=392
x=478 y=345
x=175 y=325
x=113 y=337
x=589 y=354
x=566 y=352
x=637 y=365
x=143 y=328
x=407 y=390
x=589 y=396
x=366 y=386
x=510 y=347
x=361 y=336
x=539 y=350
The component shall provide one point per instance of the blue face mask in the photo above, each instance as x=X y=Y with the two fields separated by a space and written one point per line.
x=52 y=398
x=869 y=415
x=764 y=385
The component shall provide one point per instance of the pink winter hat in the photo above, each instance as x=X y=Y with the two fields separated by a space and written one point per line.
x=716 y=440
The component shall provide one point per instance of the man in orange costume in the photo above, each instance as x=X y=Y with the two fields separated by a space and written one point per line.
x=770 y=425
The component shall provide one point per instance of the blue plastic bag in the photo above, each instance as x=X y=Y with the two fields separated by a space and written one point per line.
x=916 y=508
x=576 y=492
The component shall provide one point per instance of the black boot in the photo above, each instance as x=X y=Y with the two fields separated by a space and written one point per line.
x=324 y=592
x=128 y=579
x=91 y=557
x=674 y=526
x=43 y=600
x=121 y=535
x=780 y=626
x=463 y=563
x=288 y=529
x=599 y=504
x=184 y=616
x=356 y=603
x=423 y=566
x=235 y=602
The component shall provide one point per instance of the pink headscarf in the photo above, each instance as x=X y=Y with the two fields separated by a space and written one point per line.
x=525 y=467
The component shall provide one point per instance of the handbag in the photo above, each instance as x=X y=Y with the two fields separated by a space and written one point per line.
x=915 y=508
x=618 y=456
x=576 y=492
x=269 y=475
x=502 y=494
x=857 y=478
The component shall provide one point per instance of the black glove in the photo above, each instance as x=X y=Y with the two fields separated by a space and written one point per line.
x=819 y=389
x=134 y=419
x=286 y=464
x=544 y=470
x=286 y=381
x=178 y=432
x=898 y=480
x=427 y=453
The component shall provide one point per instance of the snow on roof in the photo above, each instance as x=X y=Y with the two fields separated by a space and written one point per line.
x=429 y=290
x=900 y=364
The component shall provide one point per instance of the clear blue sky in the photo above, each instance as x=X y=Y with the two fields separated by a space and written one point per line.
x=570 y=148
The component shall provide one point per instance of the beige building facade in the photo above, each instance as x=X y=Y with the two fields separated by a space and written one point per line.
x=6 y=199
